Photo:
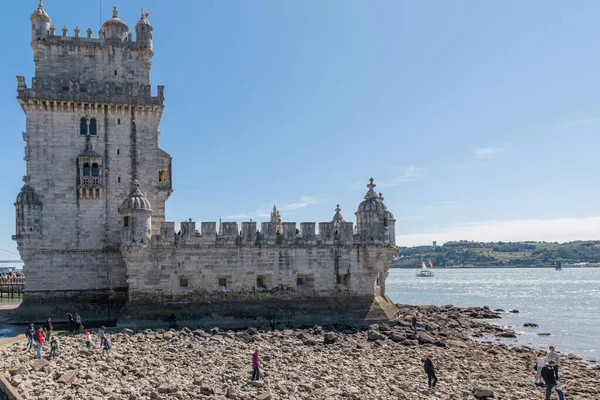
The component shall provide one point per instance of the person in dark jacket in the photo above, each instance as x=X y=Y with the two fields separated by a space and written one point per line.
x=48 y=327
x=71 y=320
x=29 y=333
x=430 y=371
x=549 y=377
x=414 y=323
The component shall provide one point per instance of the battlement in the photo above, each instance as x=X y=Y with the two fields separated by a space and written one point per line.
x=270 y=234
x=88 y=41
x=89 y=91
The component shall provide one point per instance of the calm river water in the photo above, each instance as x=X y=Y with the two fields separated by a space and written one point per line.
x=564 y=303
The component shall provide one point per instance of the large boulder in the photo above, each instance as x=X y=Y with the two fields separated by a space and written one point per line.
x=330 y=338
x=374 y=335
x=68 y=377
x=425 y=338
x=39 y=365
x=483 y=394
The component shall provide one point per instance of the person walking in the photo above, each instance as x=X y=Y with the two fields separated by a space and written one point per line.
x=78 y=323
x=40 y=342
x=101 y=335
x=548 y=373
x=71 y=321
x=107 y=346
x=430 y=371
x=30 y=333
x=540 y=364
x=414 y=322
x=255 y=367
x=53 y=347
x=48 y=328
x=555 y=357
x=88 y=339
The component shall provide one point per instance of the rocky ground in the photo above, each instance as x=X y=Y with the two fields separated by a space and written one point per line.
x=381 y=362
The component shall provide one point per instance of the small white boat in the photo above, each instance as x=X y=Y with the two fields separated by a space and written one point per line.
x=424 y=272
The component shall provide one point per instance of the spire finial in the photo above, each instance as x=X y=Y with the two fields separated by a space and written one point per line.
x=371 y=185
x=371 y=194
x=136 y=184
x=41 y=4
x=338 y=217
x=275 y=217
x=380 y=196
x=115 y=12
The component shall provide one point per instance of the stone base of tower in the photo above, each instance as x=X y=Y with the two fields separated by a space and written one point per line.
x=354 y=311
x=95 y=306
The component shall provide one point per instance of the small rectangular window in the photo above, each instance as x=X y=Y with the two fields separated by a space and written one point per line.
x=183 y=282
x=260 y=282
x=223 y=282
x=305 y=281
x=115 y=72
x=126 y=222
x=118 y=121
x=119 y=179
x=118 y=151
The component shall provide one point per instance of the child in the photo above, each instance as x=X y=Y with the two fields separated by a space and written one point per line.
x=255 y=366
x=540 y=364
x=107 y=346
x=88 y=339
x=53 y=347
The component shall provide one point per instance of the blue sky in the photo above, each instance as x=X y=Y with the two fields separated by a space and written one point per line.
x=478 y=120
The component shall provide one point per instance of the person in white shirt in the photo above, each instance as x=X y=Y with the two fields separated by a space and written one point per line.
x=540 y=363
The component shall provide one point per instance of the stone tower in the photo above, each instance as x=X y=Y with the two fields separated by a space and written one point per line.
x=374 y=223
x=91 y=131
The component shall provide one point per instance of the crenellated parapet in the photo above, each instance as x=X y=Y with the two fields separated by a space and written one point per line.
x=375 y=227
x=76 y=90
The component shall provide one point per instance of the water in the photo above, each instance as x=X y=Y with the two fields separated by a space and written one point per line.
x=564 y=303
x=7 y=330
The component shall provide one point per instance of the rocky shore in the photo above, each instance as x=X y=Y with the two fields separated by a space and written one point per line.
x=381 y=361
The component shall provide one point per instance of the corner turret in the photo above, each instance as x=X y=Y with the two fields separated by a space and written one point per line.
x=143 y=32
x=373 y=218
x=40 y=24
x=115 y=30
x=29 y=213
x=136 y=225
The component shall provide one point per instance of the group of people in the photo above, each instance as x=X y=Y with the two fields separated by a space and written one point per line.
x=11 y=277
x=43 y=335
x=546 y=367
x=75 y=323
x=40 y=336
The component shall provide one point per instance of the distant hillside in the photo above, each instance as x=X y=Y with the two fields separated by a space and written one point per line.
x=499 y=254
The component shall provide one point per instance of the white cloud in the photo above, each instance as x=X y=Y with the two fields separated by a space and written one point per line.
x=549 y=230
x=304 y=201
x=484 y=153
x=409 y=174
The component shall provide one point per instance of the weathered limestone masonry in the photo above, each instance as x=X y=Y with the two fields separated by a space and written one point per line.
x=91 y=216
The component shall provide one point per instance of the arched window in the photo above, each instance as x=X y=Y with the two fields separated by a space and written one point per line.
x=83 y=126
x=94 y=169
x=86 y=169
x=93 y=131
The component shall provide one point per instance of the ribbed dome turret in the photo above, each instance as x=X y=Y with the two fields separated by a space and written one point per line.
x=143 y=20
x=28 y=195
x=114 y=28
x=40 y=14
x=372 y=200
x=136 y=200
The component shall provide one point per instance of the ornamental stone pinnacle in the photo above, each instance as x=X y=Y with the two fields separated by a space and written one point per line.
x=371 y=194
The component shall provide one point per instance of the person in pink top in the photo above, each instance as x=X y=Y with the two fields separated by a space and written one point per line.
x=255 y=366
x=40 y=342
x=88 y=339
